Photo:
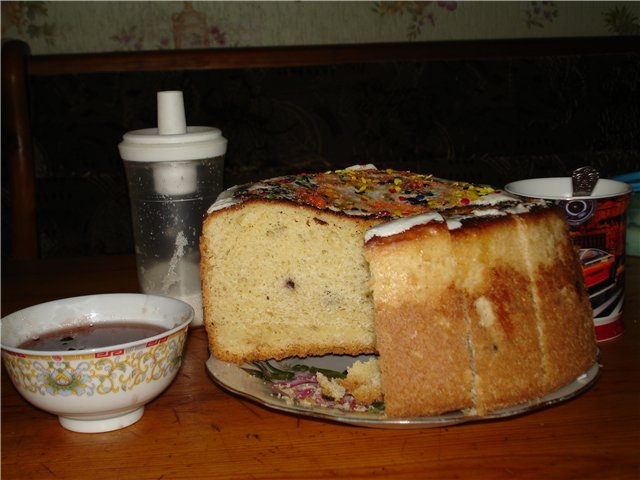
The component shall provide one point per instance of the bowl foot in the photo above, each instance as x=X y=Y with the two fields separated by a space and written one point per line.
x=88 y=425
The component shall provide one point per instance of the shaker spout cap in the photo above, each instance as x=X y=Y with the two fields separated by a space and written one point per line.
x=171 y=117
x=172 y=140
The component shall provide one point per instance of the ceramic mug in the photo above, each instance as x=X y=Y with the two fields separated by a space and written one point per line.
x=597 y=224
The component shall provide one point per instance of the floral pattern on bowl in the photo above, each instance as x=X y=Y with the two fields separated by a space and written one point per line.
x=97 y=373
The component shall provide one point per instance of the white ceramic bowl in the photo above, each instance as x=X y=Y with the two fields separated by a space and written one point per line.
x=98 y=389
x=560 y=188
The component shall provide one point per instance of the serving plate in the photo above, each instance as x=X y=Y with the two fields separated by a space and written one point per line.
x=235 y=378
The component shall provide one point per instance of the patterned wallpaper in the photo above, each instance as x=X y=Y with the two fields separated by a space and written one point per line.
x=100 y=26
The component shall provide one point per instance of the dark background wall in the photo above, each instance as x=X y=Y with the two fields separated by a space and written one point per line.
x=487 y=121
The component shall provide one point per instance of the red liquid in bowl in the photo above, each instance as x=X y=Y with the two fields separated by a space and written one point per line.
x=85 y=337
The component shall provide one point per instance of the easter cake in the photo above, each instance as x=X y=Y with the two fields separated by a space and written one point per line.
x=470 y=298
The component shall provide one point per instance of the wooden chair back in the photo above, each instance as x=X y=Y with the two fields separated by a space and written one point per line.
x=18 y=66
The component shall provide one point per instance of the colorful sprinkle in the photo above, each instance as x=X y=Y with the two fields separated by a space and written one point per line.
x=376 y=193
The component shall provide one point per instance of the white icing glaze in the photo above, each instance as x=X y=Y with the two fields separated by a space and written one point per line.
x=368 y=166
x=453 y=224
x=488 y=212
x=224 y=200
x=400 y=225
x=455 y=221
x=525 y=207
x=495 y=198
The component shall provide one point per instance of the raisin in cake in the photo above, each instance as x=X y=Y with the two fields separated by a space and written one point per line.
x=471 y=298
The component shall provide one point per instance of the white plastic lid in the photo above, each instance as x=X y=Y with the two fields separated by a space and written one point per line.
x=172 y=140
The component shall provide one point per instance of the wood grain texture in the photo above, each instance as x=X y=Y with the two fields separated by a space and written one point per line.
x=197 y=430
x=298 y=56
x=19 y=150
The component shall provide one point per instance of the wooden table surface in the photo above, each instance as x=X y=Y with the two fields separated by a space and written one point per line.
x=197 y=430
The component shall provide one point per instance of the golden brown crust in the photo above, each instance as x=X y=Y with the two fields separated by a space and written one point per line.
x=367 y=218
x=496 y=295
x=564 y=310
x=421 y=331
x=270 y=353
x=504 y=336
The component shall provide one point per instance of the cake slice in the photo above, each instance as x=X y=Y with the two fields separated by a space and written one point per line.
x=494 y=277
x=422 y=332
x=565 y=318
x=281 y=280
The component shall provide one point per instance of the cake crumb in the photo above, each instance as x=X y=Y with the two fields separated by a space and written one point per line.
x=330 y=388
